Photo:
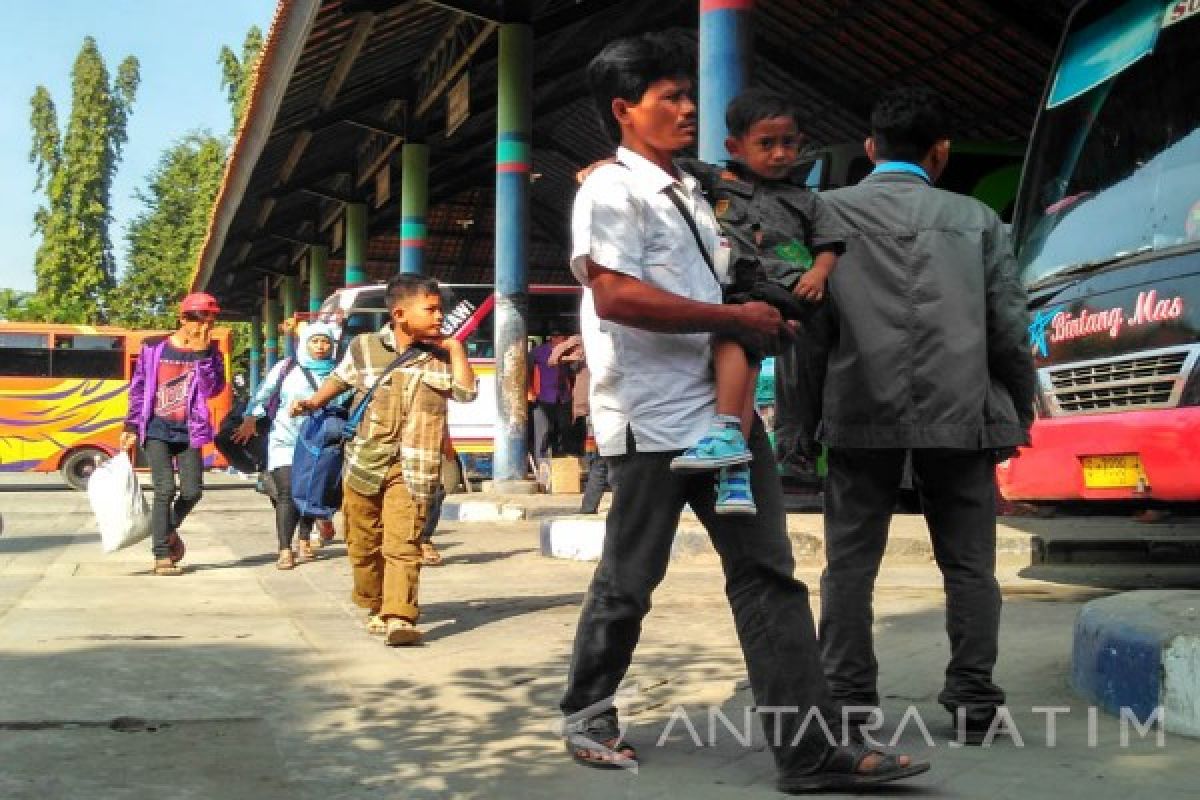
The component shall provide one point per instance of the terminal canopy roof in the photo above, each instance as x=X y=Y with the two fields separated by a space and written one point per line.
x=342 y=84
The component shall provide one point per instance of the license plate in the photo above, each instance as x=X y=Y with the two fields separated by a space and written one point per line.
x=1111 y=472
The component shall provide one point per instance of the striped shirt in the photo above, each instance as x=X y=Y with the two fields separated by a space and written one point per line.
x=406 y=420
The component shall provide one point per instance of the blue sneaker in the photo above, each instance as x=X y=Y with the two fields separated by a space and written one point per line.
x=720 y=447
x=733 y=492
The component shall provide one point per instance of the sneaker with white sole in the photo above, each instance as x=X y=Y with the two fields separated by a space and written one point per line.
x=720 y=447
x=733 y=492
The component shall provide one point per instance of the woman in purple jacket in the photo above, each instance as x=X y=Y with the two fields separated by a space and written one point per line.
x=168 y=414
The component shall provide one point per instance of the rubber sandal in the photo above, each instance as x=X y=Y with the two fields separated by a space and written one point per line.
x=376 y=625
x=841 y=771
x=430 y=556
x=286 y=560
x=601 y=736
x=165 y=566
x=401 y=632
x=304 y=551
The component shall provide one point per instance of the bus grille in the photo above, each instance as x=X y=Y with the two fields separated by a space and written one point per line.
x=1149 y=380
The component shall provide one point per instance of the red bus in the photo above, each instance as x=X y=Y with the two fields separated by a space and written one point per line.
x=1107 y=233
x=63 y=395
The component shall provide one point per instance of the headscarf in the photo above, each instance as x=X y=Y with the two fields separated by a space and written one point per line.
x=324 y=366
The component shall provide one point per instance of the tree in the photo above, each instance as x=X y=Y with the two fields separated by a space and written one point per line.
x=165 y=238
x=237 y=74
x=13 y=303
x=74 y=264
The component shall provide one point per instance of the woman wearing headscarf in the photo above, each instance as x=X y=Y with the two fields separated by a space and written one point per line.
x=296 y=379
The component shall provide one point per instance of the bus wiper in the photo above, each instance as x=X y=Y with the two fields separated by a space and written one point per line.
x=1086 y=267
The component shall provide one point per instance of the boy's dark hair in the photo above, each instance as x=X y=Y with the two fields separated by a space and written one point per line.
x=626 y=68
x=908 y=121
x=407 y=286
x=756 y=104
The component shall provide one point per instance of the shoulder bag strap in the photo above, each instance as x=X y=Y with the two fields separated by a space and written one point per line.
x=351 y=426
x=673 y=193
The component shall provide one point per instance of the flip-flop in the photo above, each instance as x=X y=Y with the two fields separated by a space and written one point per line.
x=612 y=752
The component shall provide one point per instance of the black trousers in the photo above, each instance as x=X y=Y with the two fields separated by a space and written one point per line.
x=288 y=520
x=770 y=607
x=800 y=368
x=957 y=490
x=551 y=429
x=172 y=502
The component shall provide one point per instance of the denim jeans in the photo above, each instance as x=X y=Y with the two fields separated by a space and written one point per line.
x=172 y=503
x=770 y=607
x=958 y=497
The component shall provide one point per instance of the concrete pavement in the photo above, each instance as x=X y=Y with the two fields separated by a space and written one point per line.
x=236 y=680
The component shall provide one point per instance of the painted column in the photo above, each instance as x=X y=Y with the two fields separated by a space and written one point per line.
x=414 y=206
x=288 y=289
x=318 y=263
x=356 y=244
x=726 y=34
x=270 y=331
x=514 y=124
x=254 y=376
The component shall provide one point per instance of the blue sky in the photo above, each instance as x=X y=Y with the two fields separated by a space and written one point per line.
x=176 y=41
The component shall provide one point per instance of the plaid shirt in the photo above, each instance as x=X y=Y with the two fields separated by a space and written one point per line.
x=406 y=420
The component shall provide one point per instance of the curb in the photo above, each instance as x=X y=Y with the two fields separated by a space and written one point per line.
x=1140 y=651
x=581 y=538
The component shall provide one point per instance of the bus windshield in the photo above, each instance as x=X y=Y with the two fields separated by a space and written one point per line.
x=1114 y=165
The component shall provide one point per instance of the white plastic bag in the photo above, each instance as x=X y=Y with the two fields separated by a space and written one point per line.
x=121 y=511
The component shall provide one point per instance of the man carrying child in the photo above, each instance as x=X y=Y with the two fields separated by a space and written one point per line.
x=651 y=300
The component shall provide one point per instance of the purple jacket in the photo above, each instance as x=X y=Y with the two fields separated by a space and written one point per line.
x=208 y=381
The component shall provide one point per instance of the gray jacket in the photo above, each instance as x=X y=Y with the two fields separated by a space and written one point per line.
x=930 y=341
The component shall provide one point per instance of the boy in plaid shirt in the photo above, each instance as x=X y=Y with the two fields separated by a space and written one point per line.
x=393 y=464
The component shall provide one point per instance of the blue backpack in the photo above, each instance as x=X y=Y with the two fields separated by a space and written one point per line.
x=319 y=458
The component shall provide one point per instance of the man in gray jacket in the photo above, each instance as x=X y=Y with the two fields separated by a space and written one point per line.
x=929 y=356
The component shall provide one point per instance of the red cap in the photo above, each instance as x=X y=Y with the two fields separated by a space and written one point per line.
x=202 y=302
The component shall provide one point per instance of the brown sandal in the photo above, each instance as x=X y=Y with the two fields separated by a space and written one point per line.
x=304 y=551
x=286 y=560
x=376 y=625
x=165 y=566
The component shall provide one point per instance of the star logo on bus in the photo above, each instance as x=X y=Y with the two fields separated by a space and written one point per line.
x=1038 y=330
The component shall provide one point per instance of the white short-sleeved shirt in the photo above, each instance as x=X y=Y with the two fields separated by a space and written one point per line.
x=660 y=384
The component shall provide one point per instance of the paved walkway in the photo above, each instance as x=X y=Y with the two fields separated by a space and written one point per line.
x=239 y=681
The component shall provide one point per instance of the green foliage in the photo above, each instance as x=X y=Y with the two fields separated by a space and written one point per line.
x=74 y=264
x=237 y=74
x=13 y=303
x=164 y=239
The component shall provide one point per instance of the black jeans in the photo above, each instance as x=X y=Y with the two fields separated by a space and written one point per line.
x=958 y=497
x=770 y=607
x=288 y=520
x=551 y=429
x=172 y=504
x=597 y=484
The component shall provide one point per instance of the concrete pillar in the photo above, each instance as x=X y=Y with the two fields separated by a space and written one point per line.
x=513 y=159
x=726 y=35
x=254 y=376
x=318 y=263
x=414 y=206
x=356 y=244
x=288 y=292
x=270 y=330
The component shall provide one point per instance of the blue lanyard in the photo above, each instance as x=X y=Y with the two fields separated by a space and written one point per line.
x=903 y=166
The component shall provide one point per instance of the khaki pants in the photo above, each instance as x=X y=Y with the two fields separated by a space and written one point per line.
x=382 y=541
